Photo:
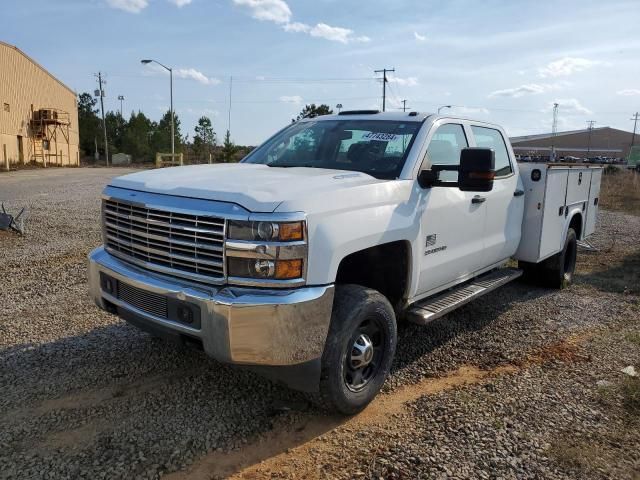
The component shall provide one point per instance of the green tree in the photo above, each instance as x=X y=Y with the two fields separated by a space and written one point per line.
x=89 y=125
x=204 y=140
x=311 y=110
x=228 y=148
x=137 y=137
x=161 y=138
x=116 y=129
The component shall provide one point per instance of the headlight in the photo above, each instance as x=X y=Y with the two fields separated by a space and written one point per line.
x=266 y=253
x=266 y=269
x=266 y=231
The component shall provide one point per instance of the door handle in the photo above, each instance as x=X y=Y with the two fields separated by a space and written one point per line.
x=478 y=199
x=518 y=193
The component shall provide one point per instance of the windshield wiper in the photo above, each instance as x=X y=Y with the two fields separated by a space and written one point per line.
x=285 y=165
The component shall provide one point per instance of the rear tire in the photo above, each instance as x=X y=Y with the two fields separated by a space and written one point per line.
x=359 y=349
x=557 y=271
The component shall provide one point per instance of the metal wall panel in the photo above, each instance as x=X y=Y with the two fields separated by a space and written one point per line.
x=23 y=84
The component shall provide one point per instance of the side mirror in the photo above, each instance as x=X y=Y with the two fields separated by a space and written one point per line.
x=477 y=169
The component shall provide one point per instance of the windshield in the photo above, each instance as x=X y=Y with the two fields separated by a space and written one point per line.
x=376 y=147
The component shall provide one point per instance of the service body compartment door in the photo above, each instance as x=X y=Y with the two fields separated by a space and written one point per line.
x=594 y=200
x=553 y=220
x=578 y=186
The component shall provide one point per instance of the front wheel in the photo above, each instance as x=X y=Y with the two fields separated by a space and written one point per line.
x=359 y=349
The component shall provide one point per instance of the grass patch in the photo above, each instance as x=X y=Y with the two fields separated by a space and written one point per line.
x=583 y=458
x=633 y=337
x=618 y=277
x=631 y=395
x=620 y=191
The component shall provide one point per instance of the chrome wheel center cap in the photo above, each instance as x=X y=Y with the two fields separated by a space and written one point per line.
x=361 y=351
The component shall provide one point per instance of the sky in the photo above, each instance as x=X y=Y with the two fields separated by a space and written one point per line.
x=504 y=61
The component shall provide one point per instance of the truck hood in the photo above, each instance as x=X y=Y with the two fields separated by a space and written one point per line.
x=258 y=188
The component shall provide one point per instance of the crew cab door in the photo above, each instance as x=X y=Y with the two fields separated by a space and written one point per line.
x=504 y=203
x=451 y=221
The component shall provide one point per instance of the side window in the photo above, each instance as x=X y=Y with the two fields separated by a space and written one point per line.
x=445 y=147
x=491 y=138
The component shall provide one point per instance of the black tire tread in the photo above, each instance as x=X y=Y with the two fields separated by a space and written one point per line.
x=349 y=302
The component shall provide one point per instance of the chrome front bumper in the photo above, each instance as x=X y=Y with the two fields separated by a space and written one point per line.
x=237 y=325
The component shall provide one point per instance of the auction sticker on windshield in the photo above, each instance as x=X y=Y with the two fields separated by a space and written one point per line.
x=381 y=137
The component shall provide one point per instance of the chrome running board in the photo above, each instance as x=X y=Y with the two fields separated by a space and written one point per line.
x=434 y=307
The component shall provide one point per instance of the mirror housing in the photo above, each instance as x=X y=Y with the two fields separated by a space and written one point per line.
x=428 y=178
x=477 y=169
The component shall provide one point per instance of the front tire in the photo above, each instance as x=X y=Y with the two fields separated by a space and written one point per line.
x=359 y=349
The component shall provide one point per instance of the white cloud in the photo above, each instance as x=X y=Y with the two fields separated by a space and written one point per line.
x=188 y=73
x=335 y=34
x=527 y=89
x=202 y=111
x=470 y=110
x=322 y=30
x=405 y=82
x=196 y=75
x=276 y=11
x=180 y=3
x=569 y=106
x=566 y=66
x=628 y=92
x=418 y=37
x=295 y=99
x=131 y=6
x=297 y=27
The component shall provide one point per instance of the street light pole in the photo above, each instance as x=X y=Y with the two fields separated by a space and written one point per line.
x=170 y=70
x=121 y=98
x=443 y=106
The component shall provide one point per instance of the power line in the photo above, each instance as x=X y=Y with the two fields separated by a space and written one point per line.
x=384 y=84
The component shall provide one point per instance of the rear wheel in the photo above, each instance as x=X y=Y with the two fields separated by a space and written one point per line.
x=359 y=349
x=557 y=271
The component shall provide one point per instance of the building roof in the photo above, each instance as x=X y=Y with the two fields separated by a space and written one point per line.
x=542 y=136
x=8 y=45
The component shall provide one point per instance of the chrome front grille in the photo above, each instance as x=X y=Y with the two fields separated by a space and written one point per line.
x=186 y=245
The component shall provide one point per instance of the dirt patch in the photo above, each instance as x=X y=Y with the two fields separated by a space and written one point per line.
x=286 y=449
x=290 y=450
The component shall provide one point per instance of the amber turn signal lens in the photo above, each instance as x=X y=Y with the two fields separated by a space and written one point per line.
x=291 y=231
x=286 y=269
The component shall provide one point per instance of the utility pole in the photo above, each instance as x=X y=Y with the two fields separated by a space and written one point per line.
x=384 y=84
x=590 y=123
x=230 y=90
x=635 y=124
x=404 y=105
x=104 y=124
x=554 y=131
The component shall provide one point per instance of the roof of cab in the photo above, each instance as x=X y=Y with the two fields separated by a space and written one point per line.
x=397 y=116
x=372 y=115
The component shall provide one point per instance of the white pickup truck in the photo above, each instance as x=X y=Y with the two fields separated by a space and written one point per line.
x=300 y=260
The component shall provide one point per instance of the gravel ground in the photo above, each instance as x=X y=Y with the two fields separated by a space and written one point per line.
x=86 y=396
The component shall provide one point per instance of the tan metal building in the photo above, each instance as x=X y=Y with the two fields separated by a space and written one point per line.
x=603 y=141
x=38 y=113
